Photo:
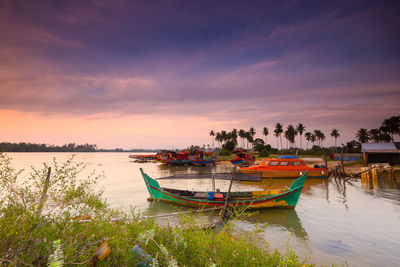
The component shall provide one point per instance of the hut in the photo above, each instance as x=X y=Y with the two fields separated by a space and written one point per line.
x=381 y=153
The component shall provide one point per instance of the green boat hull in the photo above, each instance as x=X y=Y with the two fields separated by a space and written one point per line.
x=286 y=198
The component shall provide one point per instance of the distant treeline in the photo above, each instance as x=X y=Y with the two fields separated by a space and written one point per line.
x=72 y=147
x=30 y=147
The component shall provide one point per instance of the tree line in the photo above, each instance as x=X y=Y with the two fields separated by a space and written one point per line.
x=385 y=133
x=229 y=139
x=290 y=133
x=31 y=147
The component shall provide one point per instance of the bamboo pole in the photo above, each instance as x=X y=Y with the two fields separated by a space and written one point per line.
x=44 y=193
x=228 y=195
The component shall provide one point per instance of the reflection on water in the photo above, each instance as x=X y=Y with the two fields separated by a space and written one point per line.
x=335 y=219
x=285 y=219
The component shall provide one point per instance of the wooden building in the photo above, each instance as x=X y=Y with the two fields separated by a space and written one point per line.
x=381 y=153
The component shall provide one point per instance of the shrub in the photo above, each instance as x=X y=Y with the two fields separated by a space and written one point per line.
x=224 y=152
x=263 y=153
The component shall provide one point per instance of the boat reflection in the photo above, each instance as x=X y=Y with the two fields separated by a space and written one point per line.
x=279 y=183
x=287 y=219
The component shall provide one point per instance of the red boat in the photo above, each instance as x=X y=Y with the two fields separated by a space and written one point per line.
x=243 y=158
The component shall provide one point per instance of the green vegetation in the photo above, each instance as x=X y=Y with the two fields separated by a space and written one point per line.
x=224 y=153
x=55 y=237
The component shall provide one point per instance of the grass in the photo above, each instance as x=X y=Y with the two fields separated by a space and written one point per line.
x=56 y=239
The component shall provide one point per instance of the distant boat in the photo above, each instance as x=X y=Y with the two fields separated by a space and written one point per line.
x=144 y=157
x=270 y=198
x=175 y=158
x=243 y=158
x=203 y=158
x=286 y=167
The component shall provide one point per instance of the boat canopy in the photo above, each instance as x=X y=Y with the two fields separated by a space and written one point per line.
x=287 y=157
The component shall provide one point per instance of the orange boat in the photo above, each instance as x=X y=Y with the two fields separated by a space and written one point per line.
x=286 y=167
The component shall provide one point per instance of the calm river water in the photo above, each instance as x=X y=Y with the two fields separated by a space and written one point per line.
x=333 y=222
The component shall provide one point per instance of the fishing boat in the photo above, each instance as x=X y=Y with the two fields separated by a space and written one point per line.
x=286 y=197
x=243 y=158
x=173 y=158
x=144 y=157
x=286 y=167
x=203 y=158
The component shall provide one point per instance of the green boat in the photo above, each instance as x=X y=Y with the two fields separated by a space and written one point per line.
x=286 y=197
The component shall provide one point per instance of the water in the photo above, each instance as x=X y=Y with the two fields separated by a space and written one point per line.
x=333 y=221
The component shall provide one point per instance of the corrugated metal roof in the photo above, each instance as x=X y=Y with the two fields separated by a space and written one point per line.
x=379 y=147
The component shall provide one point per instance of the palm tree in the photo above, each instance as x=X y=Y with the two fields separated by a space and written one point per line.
x=252 y=132
x=375 y=135
x=218 y=137
x=234 y=136
x=290 y=134
x=300 y=129
x=212 y=134
x=317 y=134
x=322 y=137
x=362 y=135
x=335 y=134
x=393 y=125
x=265 y=133
x=313 y=139
x=278 y=131
x=242 y=135
x=307 y=135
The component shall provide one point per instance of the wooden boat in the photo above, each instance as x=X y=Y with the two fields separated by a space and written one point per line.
x=272 y=198
x=286 y=167
x=203 y=158
x=243 y=158
x=173 y=158
x=144 y=157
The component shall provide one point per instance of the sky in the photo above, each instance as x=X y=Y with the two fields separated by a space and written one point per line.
x=162 y=74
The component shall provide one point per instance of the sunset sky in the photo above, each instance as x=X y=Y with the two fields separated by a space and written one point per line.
x=162 y=74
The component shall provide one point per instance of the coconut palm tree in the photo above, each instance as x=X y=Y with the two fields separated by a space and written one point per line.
x=242 y=135
x=278 y=131
x=252 y=132
x=300 y=129
x=265 y=133
x=322 y=138
x=362 y=135
x=317 y=134
x=290 y=134
x=234 y=136
x=218 y=138
x=307 y=135
x=393 y=125
x=375 y=135
x=212 y=134
x=313 y=139
x=335 y=134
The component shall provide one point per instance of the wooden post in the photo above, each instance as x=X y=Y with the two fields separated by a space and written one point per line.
x=228 y=195
x=341 y=162
x=213 y=183
x=44 y=193
x=325 y=160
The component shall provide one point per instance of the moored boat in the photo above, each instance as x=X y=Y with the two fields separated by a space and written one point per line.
x=203 y=158
x=270 y=198
x=286 y=167
x=173 y=158
x=243 y=158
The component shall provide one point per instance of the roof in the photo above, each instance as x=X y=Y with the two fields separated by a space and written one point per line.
x=381 y=147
